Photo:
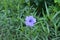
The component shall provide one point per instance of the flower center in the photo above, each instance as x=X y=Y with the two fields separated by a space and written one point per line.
x=30 y=20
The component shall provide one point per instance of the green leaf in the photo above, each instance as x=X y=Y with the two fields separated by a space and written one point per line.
x=57 y=1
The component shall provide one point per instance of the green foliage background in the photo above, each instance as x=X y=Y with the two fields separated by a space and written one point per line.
x=12 y=17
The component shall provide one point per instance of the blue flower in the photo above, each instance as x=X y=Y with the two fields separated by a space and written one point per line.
x=30 y=21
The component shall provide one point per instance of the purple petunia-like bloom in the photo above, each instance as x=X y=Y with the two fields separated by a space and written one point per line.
x=29 y=21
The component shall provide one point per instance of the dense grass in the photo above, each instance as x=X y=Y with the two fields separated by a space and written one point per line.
x=12 y=18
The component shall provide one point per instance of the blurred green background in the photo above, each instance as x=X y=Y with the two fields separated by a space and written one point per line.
x=12 y=18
